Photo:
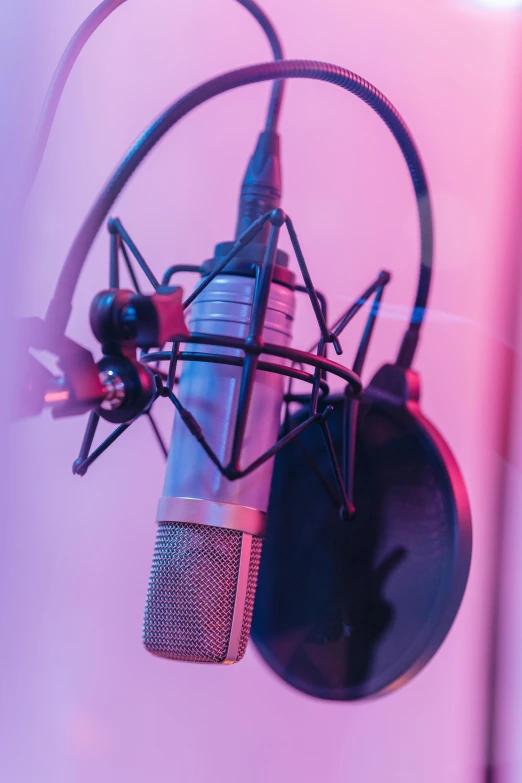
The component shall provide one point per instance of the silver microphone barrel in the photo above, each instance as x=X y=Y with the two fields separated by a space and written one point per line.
x=204 y=574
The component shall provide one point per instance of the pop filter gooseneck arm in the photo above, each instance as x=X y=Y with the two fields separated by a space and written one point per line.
x=60 y=307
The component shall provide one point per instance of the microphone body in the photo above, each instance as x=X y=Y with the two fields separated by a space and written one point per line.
x=210 y=529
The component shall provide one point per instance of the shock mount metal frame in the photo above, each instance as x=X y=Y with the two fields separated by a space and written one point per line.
x=253 y=348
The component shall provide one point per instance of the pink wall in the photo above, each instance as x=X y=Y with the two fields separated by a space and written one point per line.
x=82 y=700
x=506 y=683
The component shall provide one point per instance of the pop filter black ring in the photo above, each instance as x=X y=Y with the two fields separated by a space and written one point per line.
x=412 y=512
x=60 y=306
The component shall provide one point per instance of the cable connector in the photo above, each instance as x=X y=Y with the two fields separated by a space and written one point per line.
x=261 y=188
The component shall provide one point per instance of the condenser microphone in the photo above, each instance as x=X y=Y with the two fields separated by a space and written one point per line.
x=210 y=530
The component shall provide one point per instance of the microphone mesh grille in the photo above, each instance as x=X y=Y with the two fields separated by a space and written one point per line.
x=253 y=571
x=192 y=592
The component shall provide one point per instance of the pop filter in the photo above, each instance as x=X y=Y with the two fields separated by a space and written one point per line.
x=351 y=609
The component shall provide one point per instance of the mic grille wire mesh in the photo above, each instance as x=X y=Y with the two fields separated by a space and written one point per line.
x=192 y=592
x=253 y=571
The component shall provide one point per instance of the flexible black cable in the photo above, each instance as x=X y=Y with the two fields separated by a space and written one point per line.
x=87 y=28
x=60 y=306
x=274 y=108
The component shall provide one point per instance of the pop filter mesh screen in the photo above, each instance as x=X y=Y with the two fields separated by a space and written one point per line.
x=349 y=609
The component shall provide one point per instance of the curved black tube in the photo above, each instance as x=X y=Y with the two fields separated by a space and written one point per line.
x=60 y=306
x=75 y=46
x=274 y=108
x=87 y=28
